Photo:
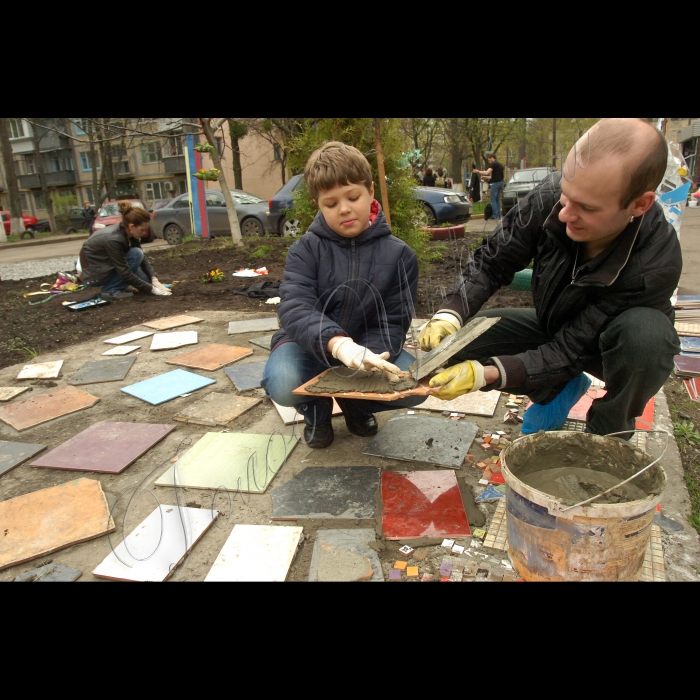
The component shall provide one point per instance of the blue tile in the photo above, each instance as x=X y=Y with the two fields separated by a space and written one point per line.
x=247 y=376
x=167 y=386
x=489 y=494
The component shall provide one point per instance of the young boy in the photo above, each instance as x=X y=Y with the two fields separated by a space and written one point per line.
x=346 y=297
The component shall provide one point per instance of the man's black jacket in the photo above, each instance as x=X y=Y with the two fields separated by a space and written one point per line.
x=574 y=302
x=105 y=252
x=361 y=287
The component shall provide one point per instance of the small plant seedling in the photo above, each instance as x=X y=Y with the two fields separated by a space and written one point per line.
x=262 y=251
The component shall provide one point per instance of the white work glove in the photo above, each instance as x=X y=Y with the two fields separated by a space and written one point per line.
x=157 y=283
x=161 y=291
x=356 y=356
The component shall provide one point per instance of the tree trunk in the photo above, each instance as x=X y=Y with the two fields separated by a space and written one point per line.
x=225 y=190
x=554 y=143
x=41 y=171
x=16 y=220
x=382 y=174
x=237 y=169
x=106 y=156
x=456 y=164
x=96 y=184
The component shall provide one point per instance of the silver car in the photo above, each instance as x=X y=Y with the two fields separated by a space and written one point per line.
x=172 y=222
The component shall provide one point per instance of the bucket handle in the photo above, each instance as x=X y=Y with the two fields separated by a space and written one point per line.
x=634 y=476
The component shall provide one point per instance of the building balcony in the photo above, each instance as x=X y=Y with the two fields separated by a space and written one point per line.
x=174 y=164
x=29 y=182
x=59 y=179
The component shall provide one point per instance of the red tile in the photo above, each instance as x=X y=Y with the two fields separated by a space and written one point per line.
x=646 y=420
x=497 y=479
x=422 y=504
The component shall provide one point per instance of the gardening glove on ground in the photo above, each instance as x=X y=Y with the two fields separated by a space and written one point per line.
x=459 y=379
x=357 y=356
x=440 y=326
x=161 y=291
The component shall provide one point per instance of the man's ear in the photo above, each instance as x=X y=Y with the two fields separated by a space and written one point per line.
x=642 y=204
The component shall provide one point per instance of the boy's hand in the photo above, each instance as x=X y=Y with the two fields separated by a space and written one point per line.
x=357 y=356
x=459 y=379
x=439 y=327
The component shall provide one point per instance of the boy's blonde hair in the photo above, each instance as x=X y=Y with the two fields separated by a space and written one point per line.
x=334 y=164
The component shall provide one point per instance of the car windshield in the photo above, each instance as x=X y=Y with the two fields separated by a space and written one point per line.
x=112 y=209
x=246 y=198
x=529 y=175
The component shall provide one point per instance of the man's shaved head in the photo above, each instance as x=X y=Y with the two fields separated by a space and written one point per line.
x=642 y=147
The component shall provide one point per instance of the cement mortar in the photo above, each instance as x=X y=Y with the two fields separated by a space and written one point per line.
x=343 y=379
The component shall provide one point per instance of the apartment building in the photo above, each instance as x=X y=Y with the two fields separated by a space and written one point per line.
x=147 y=155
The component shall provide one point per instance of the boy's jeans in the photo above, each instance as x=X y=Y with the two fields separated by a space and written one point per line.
x=496 y=189
x=290 y=366
x=114 y=283
x=635 y=358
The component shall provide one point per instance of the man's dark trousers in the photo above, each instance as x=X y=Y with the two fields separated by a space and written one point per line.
x=636 y=358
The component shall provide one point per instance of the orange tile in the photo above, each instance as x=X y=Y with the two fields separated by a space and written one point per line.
x=45 y=521
x=211 y=357
x=412 y=572
x=401 y=565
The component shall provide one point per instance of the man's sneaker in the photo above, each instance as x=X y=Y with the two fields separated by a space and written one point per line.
x=318 y=436
x=116 y=295
x=358 y=421
x=553 y=415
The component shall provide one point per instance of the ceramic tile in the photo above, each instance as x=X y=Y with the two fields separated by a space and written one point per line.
x=121 y=350
x=170 y=341
x=105 y=447
x=256 y=553
x=9 y=392
x=34 y=410
x=166 y=387
x=417 y=438
x=41 y=370
x=230 y=461
x=45 y=521
x=264 y=341
x=345 y=555
x=216 y=409
x=157 y=546
x=12 y=454
x=246 y=376
x=478 y=403
x=96 y=371
x=422 y=504
x=211 y=357
x=164 y=324
x=51 y=573
x=257 y=324
x=290 y=416
x=497 y=534
x=129 y=337
x=327 y=493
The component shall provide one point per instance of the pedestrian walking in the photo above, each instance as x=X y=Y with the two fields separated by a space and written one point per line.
x=496 y=184
x=89 y=215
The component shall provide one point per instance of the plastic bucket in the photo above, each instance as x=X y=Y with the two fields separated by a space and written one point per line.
x=522 y=281
x=549 y=541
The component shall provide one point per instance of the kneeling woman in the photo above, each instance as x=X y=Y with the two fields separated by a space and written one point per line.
x=113 y=258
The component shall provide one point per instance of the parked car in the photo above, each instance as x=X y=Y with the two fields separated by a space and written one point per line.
x=75 y=218
x=441 y=206
x=172 y=223
x=108 y=213
x=30 y=222
x=160 y=204
x=520 y=185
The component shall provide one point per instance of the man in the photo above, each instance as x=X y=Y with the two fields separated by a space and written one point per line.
x=495 y=172
x=89 y=215
x=606 y=263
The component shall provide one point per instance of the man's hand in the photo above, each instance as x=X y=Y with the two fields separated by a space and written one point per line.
x=436 y=329
x=161 y=291
x=459 y=379
x=356 y=356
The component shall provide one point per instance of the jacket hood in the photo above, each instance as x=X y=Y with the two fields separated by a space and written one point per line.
x=377 y=229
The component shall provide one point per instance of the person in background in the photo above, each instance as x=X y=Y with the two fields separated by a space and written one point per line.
x=475 y=186
x=428 y=178
x=89 y=215
x=441 y=177
x=112 y=258
x=495 y=172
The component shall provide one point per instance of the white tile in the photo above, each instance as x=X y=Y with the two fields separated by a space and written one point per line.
x=41 y=370
x=121 y=350
x=168 y=341
x=129 y=337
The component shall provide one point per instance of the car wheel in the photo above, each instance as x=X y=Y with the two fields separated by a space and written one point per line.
x=173 y=234
x=289 y=227
x=252 y=227
x=432 y=219
x=70 y=229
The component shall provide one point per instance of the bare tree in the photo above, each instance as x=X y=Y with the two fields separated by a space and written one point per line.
x=37 y=135
x=16 y=220
x=209 y=130
x=422 y=133
x=279 y=133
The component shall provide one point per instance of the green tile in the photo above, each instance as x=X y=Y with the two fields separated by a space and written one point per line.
x=221 y=461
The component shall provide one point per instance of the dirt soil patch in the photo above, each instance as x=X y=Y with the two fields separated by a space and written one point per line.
x=27 y=331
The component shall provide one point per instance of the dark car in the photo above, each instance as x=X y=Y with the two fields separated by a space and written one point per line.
x=74 y=219
x=440 y=205
x=520 y=185
x=172 y=223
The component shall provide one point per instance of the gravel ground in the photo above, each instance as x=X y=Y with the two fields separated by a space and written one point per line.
x=37 y=268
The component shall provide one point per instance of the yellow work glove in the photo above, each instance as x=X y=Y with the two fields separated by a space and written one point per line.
x=459 y=379
x=439 y=327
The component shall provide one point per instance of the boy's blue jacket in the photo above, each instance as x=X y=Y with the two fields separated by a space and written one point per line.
x=362 y=287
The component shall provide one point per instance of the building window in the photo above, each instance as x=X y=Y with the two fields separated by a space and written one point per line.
x=160 y=189
x=118 y=152
x=24 y=201
x=39 y=201
x=123 y=168
x=59 y=162
x=80 y=127
x=86 y=161
x=181 y=186
x=278 y=153
x=16 y=128
x=175 y=146
x=150 y=152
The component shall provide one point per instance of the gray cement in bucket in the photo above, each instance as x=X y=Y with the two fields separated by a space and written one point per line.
x=573 y=468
